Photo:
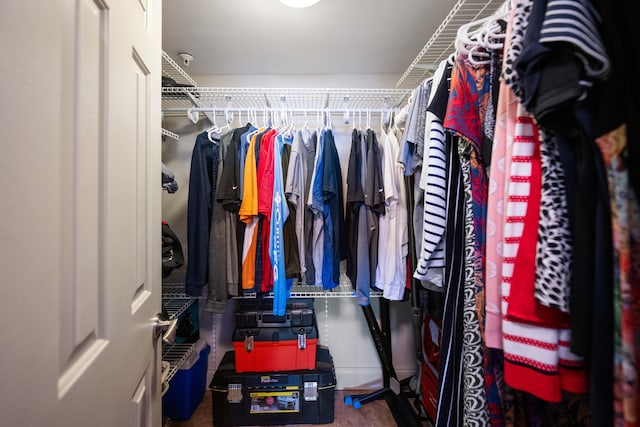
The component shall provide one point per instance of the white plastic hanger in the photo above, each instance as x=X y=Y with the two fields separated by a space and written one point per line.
x=306 y=121
x=214 y=128
x=470 y=34
x=228 y=118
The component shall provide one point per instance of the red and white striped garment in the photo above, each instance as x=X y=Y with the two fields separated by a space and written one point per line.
x=536 y=351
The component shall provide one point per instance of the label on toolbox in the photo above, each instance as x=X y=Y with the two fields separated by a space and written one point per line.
x=275 y=402
x=270 y=380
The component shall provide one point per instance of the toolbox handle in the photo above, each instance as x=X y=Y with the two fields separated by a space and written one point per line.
x=270 y=320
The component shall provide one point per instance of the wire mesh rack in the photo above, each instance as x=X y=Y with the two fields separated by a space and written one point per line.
x=174 y=293
x=171 y=69
x=175 y=355
x=178 y=100
x=441 y=43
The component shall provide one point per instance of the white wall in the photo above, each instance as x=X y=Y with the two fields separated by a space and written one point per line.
x=341 y=322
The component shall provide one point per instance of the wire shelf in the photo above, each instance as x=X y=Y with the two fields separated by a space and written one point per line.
x=174 y=291
x=175 y=307
x=170 y=134
x=178 y=100
x=171 y=69
x=343 y=290
x=176 y=355
x=441 y=43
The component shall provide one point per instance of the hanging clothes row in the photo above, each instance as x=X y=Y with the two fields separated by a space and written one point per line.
x=272 y=198
x=529 y=218
x=376 y=216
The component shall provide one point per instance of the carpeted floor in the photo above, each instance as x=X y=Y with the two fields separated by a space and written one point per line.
x=373 y=414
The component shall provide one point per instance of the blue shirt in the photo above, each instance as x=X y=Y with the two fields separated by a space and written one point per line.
x=332 y=205
x=279 y=214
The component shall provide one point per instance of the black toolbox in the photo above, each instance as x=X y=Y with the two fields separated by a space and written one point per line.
x=252 y=313
x=274 y=398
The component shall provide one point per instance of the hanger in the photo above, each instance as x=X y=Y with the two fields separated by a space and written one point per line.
x=265 y=121
x=451 y=59
x=328 y=124
x=318 y=120
x=470 y=34
x=475 y=54
x=292 y=122
x=306 y=122
x=213 y=129
x=228 y=118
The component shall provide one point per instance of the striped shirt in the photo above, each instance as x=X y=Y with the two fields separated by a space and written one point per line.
x=435 y=203
x=575 y=22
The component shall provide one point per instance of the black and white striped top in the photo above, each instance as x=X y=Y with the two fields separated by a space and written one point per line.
x=576 y=22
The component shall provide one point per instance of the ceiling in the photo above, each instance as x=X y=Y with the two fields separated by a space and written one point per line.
x=265 y=37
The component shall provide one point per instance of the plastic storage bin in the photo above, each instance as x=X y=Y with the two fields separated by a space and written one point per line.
x=187 y=387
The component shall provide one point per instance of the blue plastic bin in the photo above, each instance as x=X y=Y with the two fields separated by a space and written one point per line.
x=187 y=387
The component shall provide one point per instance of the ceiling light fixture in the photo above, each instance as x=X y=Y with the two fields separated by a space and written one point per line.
x=299 y=3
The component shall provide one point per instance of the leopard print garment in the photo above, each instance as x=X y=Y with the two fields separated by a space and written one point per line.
x=554 y=251
x=521 y=13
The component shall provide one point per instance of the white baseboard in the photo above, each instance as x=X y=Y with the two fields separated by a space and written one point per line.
x=364 y=378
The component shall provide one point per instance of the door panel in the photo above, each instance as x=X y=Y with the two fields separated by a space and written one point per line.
x=80 y=181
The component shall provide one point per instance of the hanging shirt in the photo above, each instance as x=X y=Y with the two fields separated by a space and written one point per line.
x=358 y=222
x=199 y=209
x=229 y=187
x=374 y=197
x=297 y=186
x=431 y=260
x=223 y=264
x=315 y=204
x=229 y=195
x=265 y=200
x=291 y=255
x=249 y=215
x=413 y=138
x=279 y=214
x=355 y=200
x=393 y=243
x=501 y=153
x=333 y=209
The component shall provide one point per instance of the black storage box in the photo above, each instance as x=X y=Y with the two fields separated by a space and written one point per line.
x=269 y=398
x=257 y=314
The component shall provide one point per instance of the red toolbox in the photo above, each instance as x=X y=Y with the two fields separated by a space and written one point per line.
x=266 y=343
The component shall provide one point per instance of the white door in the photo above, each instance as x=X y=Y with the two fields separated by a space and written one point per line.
x=79 y=212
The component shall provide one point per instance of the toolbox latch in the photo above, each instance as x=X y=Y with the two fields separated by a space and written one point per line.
x=248 y=343
x=234 y=395
x=311 y=391
x=302 y=341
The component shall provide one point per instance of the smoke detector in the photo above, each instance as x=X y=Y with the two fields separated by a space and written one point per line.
x=186 y=58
